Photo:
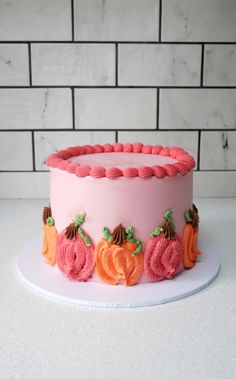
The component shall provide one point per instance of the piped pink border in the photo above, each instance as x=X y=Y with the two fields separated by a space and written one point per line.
x=184 y=164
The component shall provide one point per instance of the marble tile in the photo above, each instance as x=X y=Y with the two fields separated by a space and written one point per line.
x=187 y=140
x=116 y=108
x=18 y=185
x=30 y=20
x=15 y=151
x=123 y=20
x=214 y=183
x=218 y=150
x=73 y=64
x=220 y=63
x=35 y=108
x=201 y=20
x=159 y=65
x=48 y=142
x=197 y=108
x=14 y=65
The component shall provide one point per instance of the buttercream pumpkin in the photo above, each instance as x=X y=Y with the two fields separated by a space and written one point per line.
x=118 y=257
x=75 y=251
x=163 y=254
x=190 y=237
x=49 y=237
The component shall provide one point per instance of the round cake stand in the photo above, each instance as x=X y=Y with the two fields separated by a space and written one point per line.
x=50 y=281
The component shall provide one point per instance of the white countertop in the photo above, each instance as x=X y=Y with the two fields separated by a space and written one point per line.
x=43 y=338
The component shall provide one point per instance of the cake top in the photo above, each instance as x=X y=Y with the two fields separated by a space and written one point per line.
x=127 y=160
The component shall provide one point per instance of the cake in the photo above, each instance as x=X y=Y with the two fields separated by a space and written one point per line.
x=121 y=214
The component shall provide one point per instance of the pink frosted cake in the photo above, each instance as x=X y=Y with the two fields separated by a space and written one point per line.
x=121 y=214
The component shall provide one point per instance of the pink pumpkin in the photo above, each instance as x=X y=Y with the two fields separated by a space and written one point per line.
x=75 y=252
x=163 y=254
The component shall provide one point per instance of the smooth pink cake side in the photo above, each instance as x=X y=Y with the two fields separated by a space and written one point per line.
x=137 y=202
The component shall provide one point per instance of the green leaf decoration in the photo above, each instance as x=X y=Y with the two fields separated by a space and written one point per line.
x=107 y=234
x=50 y=221
x=187 y=217
x=79 y=220
x=130 y=230
x=168 y=218
x=84 y=237
x=138 y=248
x=130 y=237
x=157 y=231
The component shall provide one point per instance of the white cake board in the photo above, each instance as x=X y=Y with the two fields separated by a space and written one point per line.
x=50 y=281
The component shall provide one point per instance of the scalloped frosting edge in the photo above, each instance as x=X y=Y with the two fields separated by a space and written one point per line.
x=185 y=162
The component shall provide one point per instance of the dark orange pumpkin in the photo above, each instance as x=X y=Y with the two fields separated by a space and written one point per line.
x=190 y=237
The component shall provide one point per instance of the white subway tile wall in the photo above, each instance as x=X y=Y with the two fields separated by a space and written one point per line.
x=220 y=65
x=120 y=20
x=215 y=151
x=159 y=65
x=35 y=20
x=83 y=72
x=14 y=65
x=116 y=108
x=199 y=20
x=200 y=108
x=35 y=108
x=16 y=151
x=73 y=64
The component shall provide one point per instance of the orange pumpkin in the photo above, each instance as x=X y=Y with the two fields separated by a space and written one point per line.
x=49 y=237
x=118 y=257
x=190 y=237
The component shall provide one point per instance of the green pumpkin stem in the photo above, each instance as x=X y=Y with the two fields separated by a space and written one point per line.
x=168 y=218
x=84 y=237
x=130 y=238
x=187 y=218
x=138 y=248
x=79 y=220
x=107 y=234
x=168 y=229
x=157 y=231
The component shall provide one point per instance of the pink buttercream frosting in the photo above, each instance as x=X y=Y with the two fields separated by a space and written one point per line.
x=177 y=161
x=74 y=258
x=97 y=172
x=163 y=258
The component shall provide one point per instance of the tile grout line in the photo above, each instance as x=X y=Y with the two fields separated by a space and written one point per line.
x=30 y=64
x=199 y=150
x=120 y=86
x=116 y=65
x=158 y=109
x=202 y=65
x=33 y=151
x=72 y=21
x=160 y=20
x=73 y=108
x=112 y=130
x=118 y=41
